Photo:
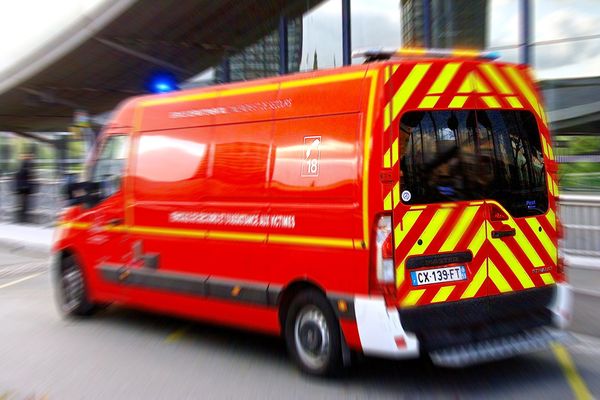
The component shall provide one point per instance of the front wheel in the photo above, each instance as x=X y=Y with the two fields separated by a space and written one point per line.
x=72 y=296
x=313 y=334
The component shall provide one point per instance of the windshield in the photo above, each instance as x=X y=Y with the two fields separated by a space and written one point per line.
x=473 y=155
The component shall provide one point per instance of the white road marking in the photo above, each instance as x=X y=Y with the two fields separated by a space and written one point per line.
x=20 y=280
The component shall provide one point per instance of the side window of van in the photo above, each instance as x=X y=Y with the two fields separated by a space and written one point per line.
x=107 y=172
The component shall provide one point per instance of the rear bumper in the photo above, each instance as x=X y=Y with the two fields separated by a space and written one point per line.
x=489 y=328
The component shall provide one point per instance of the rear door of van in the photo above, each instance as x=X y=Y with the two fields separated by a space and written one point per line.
x=473 y=205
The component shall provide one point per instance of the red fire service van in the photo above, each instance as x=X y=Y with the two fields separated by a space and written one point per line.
x=400 y=207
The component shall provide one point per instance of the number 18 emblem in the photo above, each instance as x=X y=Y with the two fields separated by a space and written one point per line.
x=312 y=156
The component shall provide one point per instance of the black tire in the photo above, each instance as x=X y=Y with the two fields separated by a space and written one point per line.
x=312 y=334
x=71 y=290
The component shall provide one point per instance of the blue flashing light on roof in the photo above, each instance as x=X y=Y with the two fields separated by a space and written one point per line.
x=162 y=83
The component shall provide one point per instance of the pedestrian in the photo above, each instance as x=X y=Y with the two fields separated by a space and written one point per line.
x=24 y=187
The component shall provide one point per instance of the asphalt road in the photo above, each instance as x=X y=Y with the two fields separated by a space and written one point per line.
x=124 y=354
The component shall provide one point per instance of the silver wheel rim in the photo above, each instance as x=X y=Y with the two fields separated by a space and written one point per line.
x=311 y=336
x=72 y=288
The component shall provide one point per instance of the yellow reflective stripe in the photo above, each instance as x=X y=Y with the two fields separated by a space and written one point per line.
x=149 y=230
x=429 y=101
x=480 y=85
x=524 y=88
x=412 y=297
x=387 y=202
x=459 y=229
x=408 y=87
x=258 y=237
x=444 y=79
x=386 y=117
x=386 y=74
x=254 y=89
x=366 y=157
x=395 y=68
x=458 y=101
x=395 y=152
x=74 y=225
x=402 y=229
x=550 y=183
x=547 y=278
x=311 y=240
x=543 y=236
x=491 y=101
x=514 y=102
x=387 y=163
x=468 y=84
x=476 y=282
x=545 y=146
x=512 y=262
x=396 y=195
x=430 y=231
x=496 y=277
x=550 y=151
x=551 y=218
x=478 y=240
x=497 y=80
x=525 y=245
x=443 y=294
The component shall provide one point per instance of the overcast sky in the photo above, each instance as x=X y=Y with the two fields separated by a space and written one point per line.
x=26 y=24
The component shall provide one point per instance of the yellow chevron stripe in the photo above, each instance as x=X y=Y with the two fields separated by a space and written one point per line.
x=524 y=88
x=491 y=101
x=395 y=152
x=386 y=117
x=443 y=294
x=468 y=84
x=513 y=263
x=496 y=277
x=543 y=236
x=525 y=245
x=550 y=183
x=514 y=102
x=551 y=218
x=480 y=85
x=396 y=195
x=550 y=151
x=459 y=229
x=395 y=68
x=387 y=202
x=386 y=74
x=444 y=79
x=387 y=159
x=429 y=101
x=547 y=278
x=545 y=146
x=412 y=297
x=458 y=101
x=478 y=240
x=476 y=282
x=494 y=76
x=402 y=229
x=430 y=231
x=408 y=87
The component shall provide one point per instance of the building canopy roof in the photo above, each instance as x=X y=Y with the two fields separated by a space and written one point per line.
x=100 y=60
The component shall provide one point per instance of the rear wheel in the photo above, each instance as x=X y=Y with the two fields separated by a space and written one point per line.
x=313 y=334
x=72 y=293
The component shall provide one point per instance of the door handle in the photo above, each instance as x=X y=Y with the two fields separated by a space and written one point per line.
x=501 y=234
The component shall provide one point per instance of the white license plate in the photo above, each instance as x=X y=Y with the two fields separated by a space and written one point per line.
x=438 y=275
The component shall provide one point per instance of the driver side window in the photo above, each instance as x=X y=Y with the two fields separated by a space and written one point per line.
x=108 y=170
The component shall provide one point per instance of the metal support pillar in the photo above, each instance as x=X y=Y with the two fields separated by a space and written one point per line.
x=526 y=47
x=283 y=45
x=346 y=33
x=225 y=75
x=426 y=23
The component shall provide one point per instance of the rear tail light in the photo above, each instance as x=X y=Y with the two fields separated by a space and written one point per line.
x=384 y=252
x=497 y=214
